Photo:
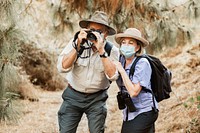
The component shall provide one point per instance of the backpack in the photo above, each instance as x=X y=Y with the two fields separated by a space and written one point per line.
x=160 y=77
x=108 y=47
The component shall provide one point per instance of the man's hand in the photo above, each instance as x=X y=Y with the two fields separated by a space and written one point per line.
x=81 y=36
x=99 y=43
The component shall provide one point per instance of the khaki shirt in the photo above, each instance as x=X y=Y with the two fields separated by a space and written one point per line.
x=87 y=75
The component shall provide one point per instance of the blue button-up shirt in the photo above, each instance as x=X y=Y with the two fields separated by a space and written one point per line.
x=144 y=101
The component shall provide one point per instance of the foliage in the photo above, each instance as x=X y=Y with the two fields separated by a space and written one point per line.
x=8 y=111
x=191 y=102
x=194 y=126
x=9 y=77
x=6 y=15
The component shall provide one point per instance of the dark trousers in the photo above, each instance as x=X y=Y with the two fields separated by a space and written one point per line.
x=143 y=123
x=75 y=104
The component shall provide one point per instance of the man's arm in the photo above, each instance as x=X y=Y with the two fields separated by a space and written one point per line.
x=69 y=54
x=66 y=58
x=109 y=67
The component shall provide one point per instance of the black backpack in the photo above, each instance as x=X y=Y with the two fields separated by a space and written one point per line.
x=108 y=47
x=160 y=77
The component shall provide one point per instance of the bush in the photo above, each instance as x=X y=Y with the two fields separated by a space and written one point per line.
x=41 y=68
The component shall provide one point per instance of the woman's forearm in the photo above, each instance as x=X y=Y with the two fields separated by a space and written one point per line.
x=132 y=88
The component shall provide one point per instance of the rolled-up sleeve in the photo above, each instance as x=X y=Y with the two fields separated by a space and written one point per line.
x=142 y=73
x=114 y=77
x=66 y=51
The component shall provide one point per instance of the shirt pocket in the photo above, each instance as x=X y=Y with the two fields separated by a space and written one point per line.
x=82 y=62
x=80 y=67
x=98 y=66
x=99 y=76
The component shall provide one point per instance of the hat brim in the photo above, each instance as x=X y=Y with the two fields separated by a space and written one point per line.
x=84 y=24
x=119 y=36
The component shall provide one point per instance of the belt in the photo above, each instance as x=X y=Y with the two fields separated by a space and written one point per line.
x=69 y=86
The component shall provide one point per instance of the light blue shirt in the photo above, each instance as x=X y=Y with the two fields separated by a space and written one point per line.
x=144 y=101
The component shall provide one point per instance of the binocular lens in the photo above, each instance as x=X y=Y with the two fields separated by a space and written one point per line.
x=91 y=37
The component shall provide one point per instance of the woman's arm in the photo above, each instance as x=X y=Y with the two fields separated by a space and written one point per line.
x=133 y=89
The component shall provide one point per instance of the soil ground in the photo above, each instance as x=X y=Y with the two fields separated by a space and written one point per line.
x=41 y=116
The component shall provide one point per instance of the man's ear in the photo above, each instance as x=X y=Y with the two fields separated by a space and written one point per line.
x=105 y=34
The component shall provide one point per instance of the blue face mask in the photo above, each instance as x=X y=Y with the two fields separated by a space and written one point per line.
x=127 y=51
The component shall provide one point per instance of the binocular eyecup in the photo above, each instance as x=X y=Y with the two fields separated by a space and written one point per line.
x=91 y=36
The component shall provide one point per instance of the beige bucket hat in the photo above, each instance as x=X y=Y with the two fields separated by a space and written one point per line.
x=99 y=17
x=132 y=33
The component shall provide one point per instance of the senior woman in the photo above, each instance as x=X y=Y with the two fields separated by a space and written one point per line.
x=142 y=118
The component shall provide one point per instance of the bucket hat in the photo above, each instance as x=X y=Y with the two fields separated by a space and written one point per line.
x=99 y=17
x=132 y=33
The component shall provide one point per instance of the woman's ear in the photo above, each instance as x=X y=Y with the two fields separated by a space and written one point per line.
x=138 y=47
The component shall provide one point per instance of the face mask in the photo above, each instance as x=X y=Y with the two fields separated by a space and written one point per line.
x=127 y=51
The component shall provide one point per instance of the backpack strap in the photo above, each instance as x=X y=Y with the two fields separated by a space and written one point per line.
x=132 y=70
x=108 y=47
x=153 y=97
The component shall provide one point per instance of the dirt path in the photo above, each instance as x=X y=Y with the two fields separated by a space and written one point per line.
x=37 y=117
x=41 y=116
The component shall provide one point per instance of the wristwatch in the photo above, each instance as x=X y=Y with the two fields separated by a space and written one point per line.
x=104 y=55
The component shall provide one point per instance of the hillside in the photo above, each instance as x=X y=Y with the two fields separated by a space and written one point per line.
x=181 y=112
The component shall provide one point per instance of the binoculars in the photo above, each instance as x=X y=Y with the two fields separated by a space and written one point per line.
x=124 y=100
x=91 y=36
